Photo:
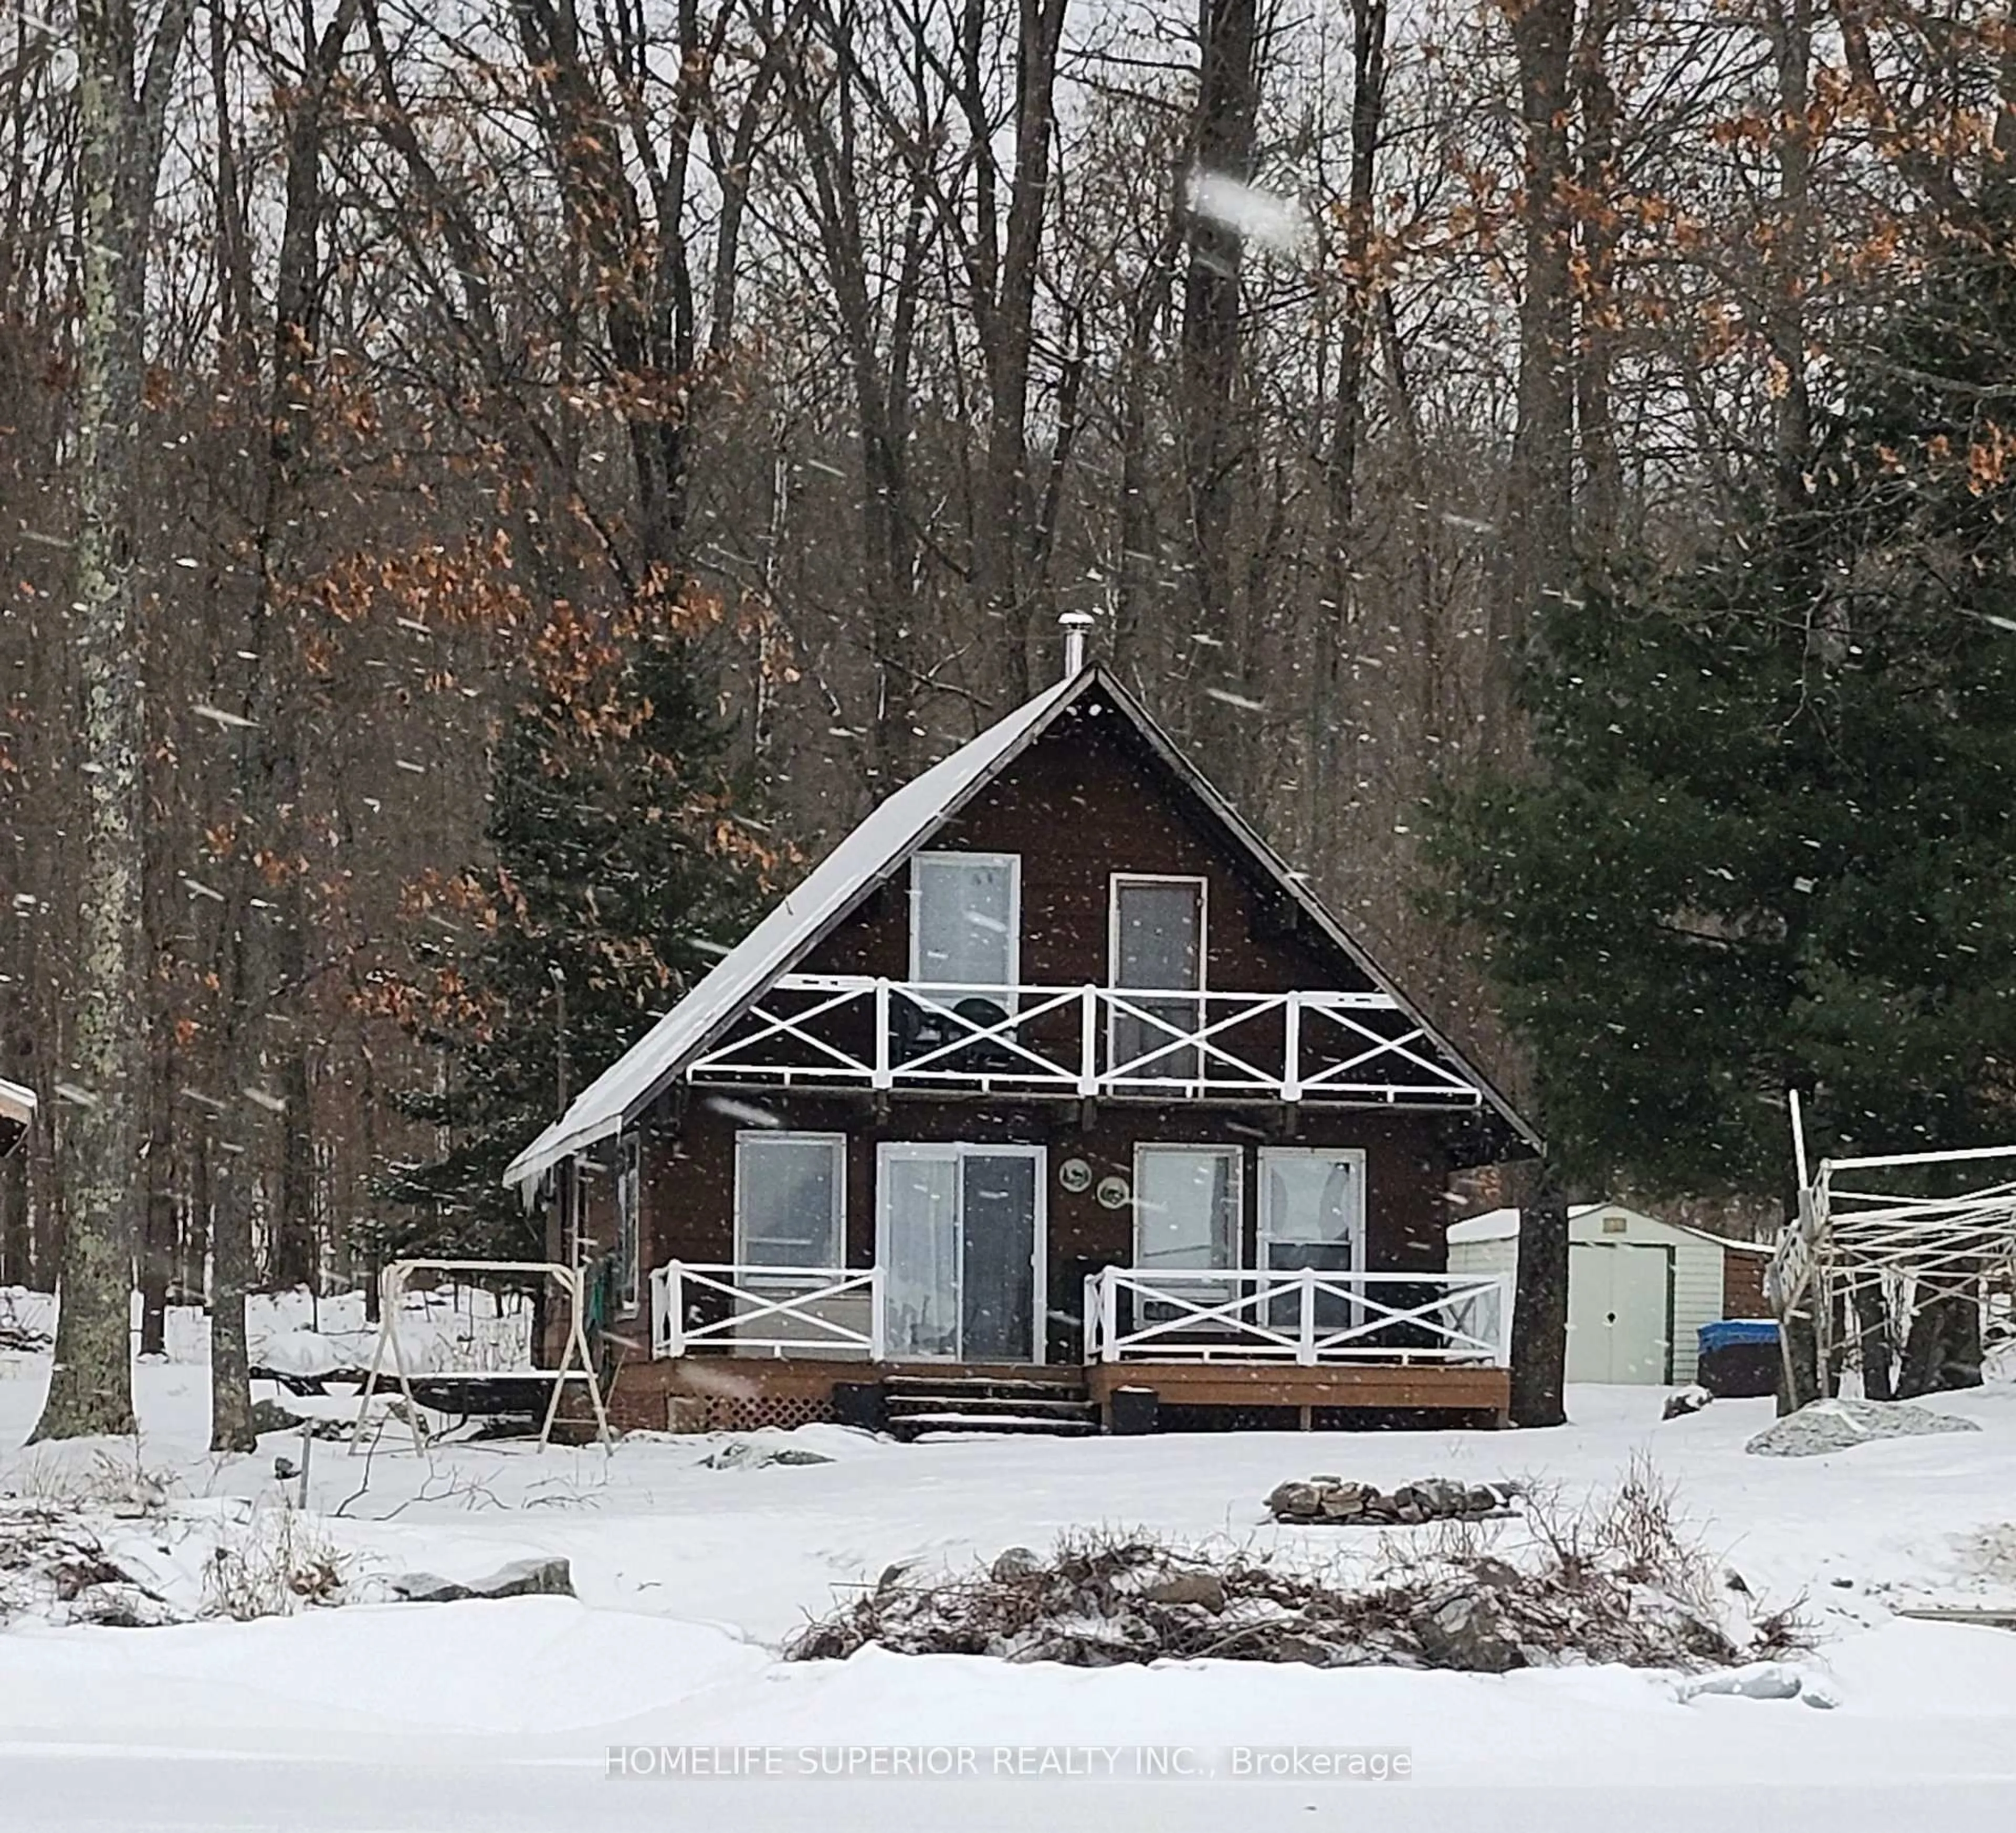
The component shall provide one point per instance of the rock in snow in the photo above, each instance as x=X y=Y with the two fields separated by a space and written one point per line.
x=1840 y=1425
x=1431 y=1498
x=747 y=1454
x=522 y=1578
x=1470 y=1631
x=1762 y=1680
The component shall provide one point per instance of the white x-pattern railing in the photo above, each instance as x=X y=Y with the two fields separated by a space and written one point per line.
x=1298 y=1315
x=834 y=1030
x=1132 y=1314
x=772 y=1310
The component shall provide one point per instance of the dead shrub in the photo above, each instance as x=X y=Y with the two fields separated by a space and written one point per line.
x=276 y=1563
x=1618 y=1581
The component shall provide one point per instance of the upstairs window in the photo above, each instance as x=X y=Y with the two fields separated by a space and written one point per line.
x=966 y=917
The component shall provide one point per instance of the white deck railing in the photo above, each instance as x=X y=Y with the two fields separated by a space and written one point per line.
x=1300 y=1316
x=1130 y=1315
x=814 y=1030
x=833 y=1311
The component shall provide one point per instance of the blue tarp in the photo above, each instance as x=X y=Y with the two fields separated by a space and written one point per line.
x=1732 y=1330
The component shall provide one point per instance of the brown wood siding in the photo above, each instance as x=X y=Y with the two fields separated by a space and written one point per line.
x=1743 y=1284
x=689 y=1206
x=1086 y=801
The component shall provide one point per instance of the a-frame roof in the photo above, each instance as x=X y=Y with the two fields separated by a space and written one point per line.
x=880 y=847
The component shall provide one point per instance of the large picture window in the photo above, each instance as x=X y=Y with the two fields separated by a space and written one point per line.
x=791 y=1203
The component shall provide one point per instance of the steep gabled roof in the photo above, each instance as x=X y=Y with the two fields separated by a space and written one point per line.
x=878 y=847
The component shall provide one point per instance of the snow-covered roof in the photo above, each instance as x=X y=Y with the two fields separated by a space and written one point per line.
x=882 y=842
x=868 y=855
x=1503 y=1225
x=16 y=1104
x=1500 y=1224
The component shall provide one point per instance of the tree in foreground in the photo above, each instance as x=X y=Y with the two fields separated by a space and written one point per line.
x=623 y=870
x=1768 y=839
x=119 y=115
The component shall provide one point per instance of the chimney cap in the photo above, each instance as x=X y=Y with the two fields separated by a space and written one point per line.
x=1074 y=624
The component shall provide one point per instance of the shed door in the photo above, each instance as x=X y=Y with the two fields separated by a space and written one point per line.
x=1619 y=1305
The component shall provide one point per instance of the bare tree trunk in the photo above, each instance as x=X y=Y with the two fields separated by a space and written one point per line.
x=1872 y=1319
x=118 y=142
x=1596 y=231
x=230 y=1277
x=1540 y=1309
x=195 y=1264
x=1336 y=628
x=1006 y=531
x=1942 y=1350
x=157 y=1227
x=1790 y=24
x=265 y=934
x=1535 y=544
x=1223 y=152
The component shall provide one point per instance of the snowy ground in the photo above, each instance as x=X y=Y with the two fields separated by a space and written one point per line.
x=499 y=1716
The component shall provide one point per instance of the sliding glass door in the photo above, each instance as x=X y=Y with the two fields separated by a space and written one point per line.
x=960 y=1242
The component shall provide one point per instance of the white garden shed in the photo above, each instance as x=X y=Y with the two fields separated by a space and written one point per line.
x=1639 y=1288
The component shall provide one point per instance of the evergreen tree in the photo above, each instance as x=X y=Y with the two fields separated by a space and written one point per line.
x=622 y=873
x=1769 y=838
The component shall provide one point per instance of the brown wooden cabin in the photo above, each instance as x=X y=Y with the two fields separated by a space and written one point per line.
x=1051 y=1096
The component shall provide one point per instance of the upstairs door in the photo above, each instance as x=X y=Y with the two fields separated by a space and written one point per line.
x=1157 y=943
x=960 y=1244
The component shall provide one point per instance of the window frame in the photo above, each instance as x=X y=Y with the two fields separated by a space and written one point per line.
x=1114 y=881
x=1197 y=1148
x=920 y=863
x=1263 y=1235
x=836 y=1144
x=629 y=1223
x=890 y=1152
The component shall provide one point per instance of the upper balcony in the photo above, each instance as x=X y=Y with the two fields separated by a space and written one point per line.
x=840 y=1031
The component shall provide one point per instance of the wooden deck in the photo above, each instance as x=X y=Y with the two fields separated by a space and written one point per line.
x=1365 y=1386
x=691 y=1392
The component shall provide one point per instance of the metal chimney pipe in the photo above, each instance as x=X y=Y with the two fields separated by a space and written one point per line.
x=1074 y=624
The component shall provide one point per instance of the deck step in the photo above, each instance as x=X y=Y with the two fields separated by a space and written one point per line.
x=984 y=1386
x=945 y=1406
x=950 y=1425
x=1031 y=1405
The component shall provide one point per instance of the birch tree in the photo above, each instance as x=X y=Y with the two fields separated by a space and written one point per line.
x=121 y=110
